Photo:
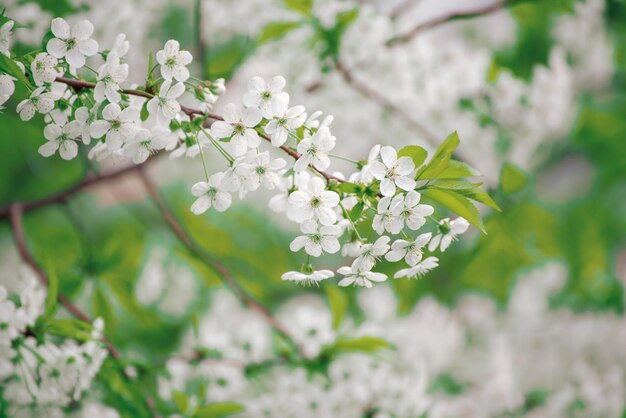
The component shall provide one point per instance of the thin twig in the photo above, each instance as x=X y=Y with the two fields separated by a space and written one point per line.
x=212 y=262
x=16 y=210
x=450 y=17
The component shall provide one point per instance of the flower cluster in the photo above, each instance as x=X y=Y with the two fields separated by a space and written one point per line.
x=383 y=195
x=39 y=376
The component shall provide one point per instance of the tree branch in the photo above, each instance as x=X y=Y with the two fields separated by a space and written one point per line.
x=210 y=261
x=441 y=20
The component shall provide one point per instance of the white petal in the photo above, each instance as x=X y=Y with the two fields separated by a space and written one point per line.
x=60 y=28
x=82 y=30
x=49 y=148
x=201 y=205
x=389 y=156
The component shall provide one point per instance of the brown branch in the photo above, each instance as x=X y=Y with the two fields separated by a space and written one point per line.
x=441 y=20
x=89 y=180
x=80 y=84
x=16 y=211
x=210 y=261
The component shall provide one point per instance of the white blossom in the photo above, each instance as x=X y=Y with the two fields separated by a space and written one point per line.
x=43 y=68
x=370 y=253
x=165 y=106
x=309 y=278
x=82 y=123
x=411 y=251
x=173 y=61
x=314 y=150
x=263 y=170
x=111 y=75
x=357 y=277
x=419 y=269
x=39 y=101
x=7 y=88
x=317 y=239
x=210 y=194
x=120 y=45
x=239 y=126
x=5 y=37
x=285 y=121
x=315 y=202
x=386 y=219
x=73 y=45
x=393 y=171
x=448 y=232
x=410 y=211
x=62 y=139
x=264 y=96
x=118 y=125
x=145 y=143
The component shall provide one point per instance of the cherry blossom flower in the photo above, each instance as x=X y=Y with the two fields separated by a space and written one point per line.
x=359 y=278
x=39 y=101
x=118 y=125
x=393 y=171
x=419 y=269
x=370 y=253
x=62 y=139
x=165 y=105
x=448 y=232
x=110 y=76
x=120 y=45
x=410 y=212
x=365 y=176
x=44 y=69
x=411 y=251
x=264 y=96
x=238 y=125
x=5 y=37
x=263 y=170
x=310 y=278
x=317 y=239
x=72 y=45
x=314 y=150
x=144 y=143
x=211 y=194
x=82 y=123
x=386 y=219
x=173 y=61
x=315 y=202
x=7 y=88
x=285 y=120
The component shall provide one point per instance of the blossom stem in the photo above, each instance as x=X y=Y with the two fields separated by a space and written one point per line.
x=206 y=171
x=222 y=151
x=347 y=214
x=343 y=158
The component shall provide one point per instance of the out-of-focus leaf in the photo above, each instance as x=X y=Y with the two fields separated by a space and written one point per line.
x=275 y=30
x=218 y=410
x=338 y=302
x=176 y=23
x=8 y=66
x=360 y=344
x=101 y=308
x=69 y=328
x=181 y=400
x=53 y=293
x=223 y=59
x=512 y=178
x=301 y=6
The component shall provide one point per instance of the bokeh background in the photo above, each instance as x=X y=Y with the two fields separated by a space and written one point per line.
x=525 y=320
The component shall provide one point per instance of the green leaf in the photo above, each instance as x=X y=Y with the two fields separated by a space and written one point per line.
x=357 y=210
x=345 y=19
x=101 y=308
x=338 y=302
x=275 y=30
x=480 y=196
x=440 y=160
x=303 y=7
x=8 y=66
x=144 y=112
x=512 y=178
x=218 y=410
x=53 y=293
x=181 y=400
x=70 y=328
x=458 y=204
x=456 y=170
x=347 y=187
x=416 y=153
x=455 y=184
x=223 y=59
x=361 y=344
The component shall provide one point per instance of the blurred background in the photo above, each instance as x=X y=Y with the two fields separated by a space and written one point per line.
x=525 y=320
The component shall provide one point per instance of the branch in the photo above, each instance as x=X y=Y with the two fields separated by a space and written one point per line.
x=16 y=210
x=210 y=261
x=80 y=84
x=88 y=181
x=441 y=20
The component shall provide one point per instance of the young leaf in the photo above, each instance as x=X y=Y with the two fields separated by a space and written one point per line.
x=357 y=210
x=53 y=293
x=338 y=302
x=512 y=178
x=458 y=204
x=361 y=344
x=440 y=160
x=416 y=153
x=218 y=410
x=479 y=196
x=347 y=187
x=181 y=400
x=275 y=30
x=70 y=328
x=301 y=6
x=7 y=65
x=456 y=170
x=101 y=307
